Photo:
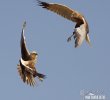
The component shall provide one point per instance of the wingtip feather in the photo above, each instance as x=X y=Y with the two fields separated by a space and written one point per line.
x=24 y=24
x=43 y=4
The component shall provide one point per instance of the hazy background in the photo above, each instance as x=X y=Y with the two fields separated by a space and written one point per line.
x=69 y=70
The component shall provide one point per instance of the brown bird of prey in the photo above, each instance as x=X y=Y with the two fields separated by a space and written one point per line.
x=26 y=66
x=81 y=28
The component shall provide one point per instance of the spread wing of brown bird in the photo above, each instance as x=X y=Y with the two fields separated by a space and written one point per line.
x=26 y=66
x=81 y=28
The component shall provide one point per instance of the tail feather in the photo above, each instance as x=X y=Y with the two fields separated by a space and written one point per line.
x=20 y=71
x=26 y=76
x=88 y=39
x=30 y=79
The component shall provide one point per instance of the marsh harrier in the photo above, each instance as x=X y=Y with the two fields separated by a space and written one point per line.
x=26 y=66
x=81 y=28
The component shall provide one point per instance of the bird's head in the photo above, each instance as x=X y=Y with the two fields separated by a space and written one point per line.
x=33 y=55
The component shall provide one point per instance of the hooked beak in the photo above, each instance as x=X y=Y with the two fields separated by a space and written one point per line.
x=88 y=40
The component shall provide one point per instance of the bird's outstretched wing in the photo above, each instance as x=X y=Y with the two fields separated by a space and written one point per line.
x=24 y=52
x=63 y=11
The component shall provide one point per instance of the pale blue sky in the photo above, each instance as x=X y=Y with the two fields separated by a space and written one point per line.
x=68 y=69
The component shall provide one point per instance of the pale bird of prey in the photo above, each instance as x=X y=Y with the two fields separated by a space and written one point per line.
x=26 y=66
x=81 y=28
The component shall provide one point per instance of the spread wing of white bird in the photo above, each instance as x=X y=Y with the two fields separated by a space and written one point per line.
x=24 y=51
x=63 y=11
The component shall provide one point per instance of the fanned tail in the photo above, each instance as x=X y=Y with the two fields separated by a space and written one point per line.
x=26 y=76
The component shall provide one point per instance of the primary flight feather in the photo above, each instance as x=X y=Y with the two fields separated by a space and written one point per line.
x=81 y=28
x=26 y=66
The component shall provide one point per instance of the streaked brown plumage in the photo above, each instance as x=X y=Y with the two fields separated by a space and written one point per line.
x=81 y=28
x=26 y=66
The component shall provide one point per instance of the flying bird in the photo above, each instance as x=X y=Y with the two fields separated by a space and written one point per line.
x=81 y=28
x=26 y=66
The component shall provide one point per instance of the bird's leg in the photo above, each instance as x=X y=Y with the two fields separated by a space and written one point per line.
x=69 y=39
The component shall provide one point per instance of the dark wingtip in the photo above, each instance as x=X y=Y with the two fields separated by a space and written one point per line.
x=43 y=4
x=24 y=24
x=38 y=1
